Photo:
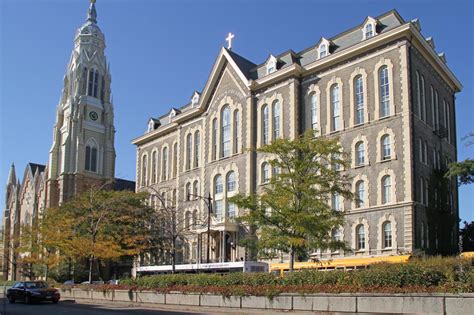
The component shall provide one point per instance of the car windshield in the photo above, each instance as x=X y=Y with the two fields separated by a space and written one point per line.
x=36 y=285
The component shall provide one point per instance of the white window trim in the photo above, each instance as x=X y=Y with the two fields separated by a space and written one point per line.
x=380 y=242
x=357 y=139
x=393 y=184
x=393 y=145
x=373 y=22
x=269 y=101
x=354 y=235
x=361 y=177
x=333 y=81
x=383 y=62
x=354 y=74
x=314 y=89
x=323 y=41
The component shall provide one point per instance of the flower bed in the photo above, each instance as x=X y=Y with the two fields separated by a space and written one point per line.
x=418 y=276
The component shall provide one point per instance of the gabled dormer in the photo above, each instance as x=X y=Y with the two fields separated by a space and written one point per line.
x=416 y=23
x=195 y=99
x=369 y=28
x=271 y=64
x=323 y=48
x=173 y=113
x=430 y=42
x=153 y=124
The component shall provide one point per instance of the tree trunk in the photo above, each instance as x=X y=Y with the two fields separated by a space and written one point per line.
x=91 y=263
x=46 y=273
x=292 y=259
x=173 y=256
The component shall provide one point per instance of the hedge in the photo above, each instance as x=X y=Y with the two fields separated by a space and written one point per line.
x=419 y=275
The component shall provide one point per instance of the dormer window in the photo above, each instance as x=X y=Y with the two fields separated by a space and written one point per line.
x=271 y=64
x=173 y=113
x=151 y=126
x=323 y=51
x=369 y=31
x=195 y=99
x=370 y=28
x=323 y=48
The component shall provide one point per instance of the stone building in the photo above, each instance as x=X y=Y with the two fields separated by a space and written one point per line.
x=380 y=87
x=82 y=154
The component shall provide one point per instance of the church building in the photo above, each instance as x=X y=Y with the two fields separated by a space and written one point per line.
x=82 y=153
x=380 y=87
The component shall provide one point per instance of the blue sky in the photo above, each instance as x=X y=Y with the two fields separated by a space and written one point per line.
x=161 y=51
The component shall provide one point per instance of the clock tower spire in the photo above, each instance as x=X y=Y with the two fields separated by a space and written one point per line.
x=83 y=152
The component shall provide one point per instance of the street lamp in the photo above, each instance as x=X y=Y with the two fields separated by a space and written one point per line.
x=208 y=201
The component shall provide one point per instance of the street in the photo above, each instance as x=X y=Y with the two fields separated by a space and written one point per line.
x=71 y=308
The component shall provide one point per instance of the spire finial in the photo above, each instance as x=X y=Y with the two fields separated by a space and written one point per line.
x=92 y=13
x=12 y=175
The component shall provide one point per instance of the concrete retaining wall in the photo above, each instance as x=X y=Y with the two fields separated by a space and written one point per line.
x=355 y=303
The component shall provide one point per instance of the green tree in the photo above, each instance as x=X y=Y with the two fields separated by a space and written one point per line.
x=464 y=170
x=292 y=214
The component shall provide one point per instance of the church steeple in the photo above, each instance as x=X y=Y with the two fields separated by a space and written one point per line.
x=83 y=142
x=12 y=175
x=92 y=13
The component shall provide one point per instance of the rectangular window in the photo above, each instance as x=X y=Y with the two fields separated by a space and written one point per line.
x=359 y=100
x=219 y=209
x=384 y=93
x=336 y=110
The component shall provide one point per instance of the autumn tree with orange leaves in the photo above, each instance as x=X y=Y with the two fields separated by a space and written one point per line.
x=98 y=225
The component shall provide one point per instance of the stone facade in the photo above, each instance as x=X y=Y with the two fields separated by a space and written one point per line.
x=82 y=154
x=359 y=86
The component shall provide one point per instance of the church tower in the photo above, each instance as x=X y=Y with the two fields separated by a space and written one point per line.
x=83 y=152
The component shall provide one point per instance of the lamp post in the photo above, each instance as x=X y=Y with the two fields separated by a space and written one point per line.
x=208 y=201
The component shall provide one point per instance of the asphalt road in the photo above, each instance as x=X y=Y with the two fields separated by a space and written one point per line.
x=71 y=308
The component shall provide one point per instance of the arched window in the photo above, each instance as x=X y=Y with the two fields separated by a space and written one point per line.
x=188 y=191
x=197 y=148
x=91 y=158
x=189 y=148
x=360 y=153
x=195 y=189
x=387 y=234
x=276 y=120
x=265 y=171
x=90 y=87
x=236 y=131
x=231 y=184
x=153 y=167
x=187 y=219
x=314 y=111
x=214 y=138
x=423 y=99
x=386 y=147
x=360 y=194
x=218 y=186
x=369 y=31
x=164 y=170
x=384 y=92
x=335 y=108
x=144 y=169
x=386 y=189
x=84 y=81
x=418 y=93
x=336 y=235
x=225 y=131
x=96 y=83
x=336 y=202
x=102 y=89
x=359 y=100
x=175 y=159
x=323 y=51
x=195 y=217
x=231 y=211
x=360 y=233
x=265 y=125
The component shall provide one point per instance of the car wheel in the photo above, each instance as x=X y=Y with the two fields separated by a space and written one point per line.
x=27 y=299
x=55 y=301
x=11 y=299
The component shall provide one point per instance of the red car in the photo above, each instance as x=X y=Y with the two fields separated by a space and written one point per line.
x=29 y=291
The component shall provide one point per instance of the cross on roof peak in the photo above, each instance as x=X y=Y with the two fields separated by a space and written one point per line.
x=229 y=38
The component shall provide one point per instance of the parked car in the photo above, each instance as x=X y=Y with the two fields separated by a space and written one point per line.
x=29 y=291
x=93 y=282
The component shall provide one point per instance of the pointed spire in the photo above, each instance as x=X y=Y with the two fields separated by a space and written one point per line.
x=12 y=175
x=92 y=13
